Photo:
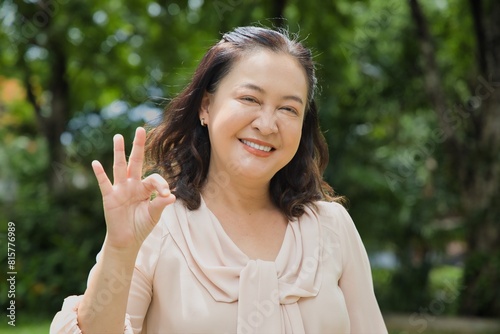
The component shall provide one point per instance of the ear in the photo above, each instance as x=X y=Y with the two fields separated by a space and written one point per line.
x=206 y=101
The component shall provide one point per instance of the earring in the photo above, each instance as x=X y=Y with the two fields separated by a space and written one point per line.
x=202 y=121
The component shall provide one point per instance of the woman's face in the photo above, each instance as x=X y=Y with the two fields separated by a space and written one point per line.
x=255 y=116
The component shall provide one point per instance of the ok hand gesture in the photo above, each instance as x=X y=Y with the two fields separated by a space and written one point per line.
x=130 y=214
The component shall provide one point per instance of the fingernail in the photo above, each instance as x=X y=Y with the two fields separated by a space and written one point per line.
x=165 y=192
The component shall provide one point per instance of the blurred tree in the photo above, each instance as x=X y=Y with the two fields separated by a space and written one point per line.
x=470 y=132
x=88 y=70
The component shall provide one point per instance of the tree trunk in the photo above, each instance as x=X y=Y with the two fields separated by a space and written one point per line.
x=278 y=13
x=55 y=125
x=471 y=144
x=52 y=123
x=480 y=175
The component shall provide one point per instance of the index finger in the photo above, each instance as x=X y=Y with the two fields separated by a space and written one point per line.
x=103 y=180
x=136 y=158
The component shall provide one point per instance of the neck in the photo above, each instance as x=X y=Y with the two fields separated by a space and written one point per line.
x=244 y=196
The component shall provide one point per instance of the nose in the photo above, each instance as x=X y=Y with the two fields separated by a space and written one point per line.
x=266 y=122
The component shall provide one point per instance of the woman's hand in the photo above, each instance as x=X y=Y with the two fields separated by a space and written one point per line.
x=130 y=214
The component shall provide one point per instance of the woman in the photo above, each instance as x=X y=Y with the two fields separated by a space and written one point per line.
x=252 y=241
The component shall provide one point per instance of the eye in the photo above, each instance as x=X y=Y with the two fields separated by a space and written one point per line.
x=290 y=109
x=249 y=99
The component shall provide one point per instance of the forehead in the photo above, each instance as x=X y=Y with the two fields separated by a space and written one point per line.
x=274 y=72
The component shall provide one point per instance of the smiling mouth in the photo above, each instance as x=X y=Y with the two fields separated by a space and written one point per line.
x=256 y=146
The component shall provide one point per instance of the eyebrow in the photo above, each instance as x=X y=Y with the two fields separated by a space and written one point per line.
x=261 y=90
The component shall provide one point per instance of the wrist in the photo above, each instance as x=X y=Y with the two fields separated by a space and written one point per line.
x=122 y=255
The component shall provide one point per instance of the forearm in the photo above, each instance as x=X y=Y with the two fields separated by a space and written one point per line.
x=104 y=304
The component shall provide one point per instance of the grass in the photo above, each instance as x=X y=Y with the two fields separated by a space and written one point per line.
x=26 y=325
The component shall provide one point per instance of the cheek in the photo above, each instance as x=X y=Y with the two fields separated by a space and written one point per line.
x=229 y=114
x=292 y=133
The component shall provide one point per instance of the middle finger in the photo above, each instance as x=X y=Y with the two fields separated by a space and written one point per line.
x=120 y=162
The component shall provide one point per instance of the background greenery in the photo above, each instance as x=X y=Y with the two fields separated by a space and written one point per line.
x=409 y=104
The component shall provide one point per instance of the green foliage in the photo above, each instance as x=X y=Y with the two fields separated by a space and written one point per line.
x=484 y=262
x=446 y=285
x=45 y=249
x=439 y=299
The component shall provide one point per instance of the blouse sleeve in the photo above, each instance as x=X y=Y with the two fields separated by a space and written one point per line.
x=66 y=320
x=356 y=281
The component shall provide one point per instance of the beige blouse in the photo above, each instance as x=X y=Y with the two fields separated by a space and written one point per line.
x=190 y=277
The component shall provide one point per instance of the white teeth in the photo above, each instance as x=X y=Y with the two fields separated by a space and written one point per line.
x=258 y=147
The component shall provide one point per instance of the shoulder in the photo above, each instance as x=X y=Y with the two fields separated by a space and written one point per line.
x=334 y=219
x=332 y=215
x=330 y=209
x=340 y=233
x=337 y=230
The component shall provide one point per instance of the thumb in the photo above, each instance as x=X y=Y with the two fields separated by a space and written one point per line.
x=156 y=183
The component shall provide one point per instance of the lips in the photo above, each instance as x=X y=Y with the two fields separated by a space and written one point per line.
x=256 y=146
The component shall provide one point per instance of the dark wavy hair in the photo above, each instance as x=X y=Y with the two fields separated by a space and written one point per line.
x=179 y=147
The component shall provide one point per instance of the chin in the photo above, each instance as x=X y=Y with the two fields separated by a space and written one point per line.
x=253 y=174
